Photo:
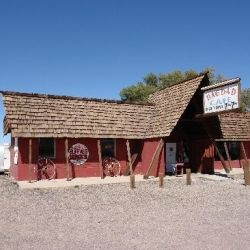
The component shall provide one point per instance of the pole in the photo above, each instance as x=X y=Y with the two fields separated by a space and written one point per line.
x=245 y=164
x=188 y=176
x=67 y=158
x=243 y=150
x=100 y=158
x=30 y=158
x=131 y=177
x=132 y=181
x=227 y=170
x=228 y=155
x=129 y=157
x=161 y=180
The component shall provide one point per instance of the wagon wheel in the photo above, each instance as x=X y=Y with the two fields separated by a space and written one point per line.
x=111 y=167
x=46 y=168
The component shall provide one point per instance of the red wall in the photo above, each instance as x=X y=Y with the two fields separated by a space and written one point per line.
x=202 y=156
x=149 y=148
x=91 y=167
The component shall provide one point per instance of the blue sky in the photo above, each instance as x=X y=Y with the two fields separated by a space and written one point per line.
x=94 y=48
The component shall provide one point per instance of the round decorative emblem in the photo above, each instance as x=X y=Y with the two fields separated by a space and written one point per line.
x=78 y=154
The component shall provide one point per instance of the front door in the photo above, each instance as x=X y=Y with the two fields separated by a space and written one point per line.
x=171 y=153
x=170 y=158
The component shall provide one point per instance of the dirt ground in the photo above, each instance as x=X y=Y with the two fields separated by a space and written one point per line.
x=205 y=215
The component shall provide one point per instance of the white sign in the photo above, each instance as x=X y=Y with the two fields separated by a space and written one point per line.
x=221 y=98
x=78 y=154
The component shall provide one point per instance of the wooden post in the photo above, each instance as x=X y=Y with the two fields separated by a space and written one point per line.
x=188 y=176
x=161 y=180
x=100 y=158
x=243 y=150
x=132 y=181
x=246 y=170
x=245 y=165
x=133 y=158
x=30 y=159
x=155 y=156
x=67 y=159
x=132 y=177
x=228 y=155
x=129 y=157
x=220 y=156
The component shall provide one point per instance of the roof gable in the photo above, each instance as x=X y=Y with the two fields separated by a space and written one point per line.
x=170 y=104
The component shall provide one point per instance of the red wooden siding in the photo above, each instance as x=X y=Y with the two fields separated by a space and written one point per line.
x=149 y=148
x=91 y=167
x=202 y=156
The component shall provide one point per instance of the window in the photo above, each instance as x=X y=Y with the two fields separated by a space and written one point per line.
x=46 y=147
x=108 y=148
x=233 y=149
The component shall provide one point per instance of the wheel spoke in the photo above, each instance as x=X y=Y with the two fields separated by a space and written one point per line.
x=111 y=166
x=46 y=168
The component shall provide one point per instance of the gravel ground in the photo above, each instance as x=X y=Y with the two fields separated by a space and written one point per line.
x=205 y=215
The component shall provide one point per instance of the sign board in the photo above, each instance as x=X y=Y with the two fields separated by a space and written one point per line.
x=221 y=98
x=78 y=154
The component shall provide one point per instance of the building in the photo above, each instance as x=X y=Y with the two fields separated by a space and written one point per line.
x=166 y=130
x=4 y=157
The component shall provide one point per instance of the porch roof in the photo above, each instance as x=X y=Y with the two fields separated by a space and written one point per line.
x=235 y=126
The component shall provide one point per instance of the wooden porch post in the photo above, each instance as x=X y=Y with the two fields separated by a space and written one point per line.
x=129 y=157
x=228 y=155
x=220 y=156
x=67 y=158
x=100 y=158
x=243 y=150
x=246 y=165
x=132 y=177
x=30 y=159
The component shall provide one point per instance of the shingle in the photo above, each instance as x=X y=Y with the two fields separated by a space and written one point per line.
x=235 y=126
x=170 y=105
x=36 y=115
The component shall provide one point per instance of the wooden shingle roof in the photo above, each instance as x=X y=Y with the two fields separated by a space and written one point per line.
x=170 y=105
x=36 y=115
x=235 y=126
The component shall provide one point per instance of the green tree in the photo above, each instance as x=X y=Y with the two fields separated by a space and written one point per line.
x=245 y=100
x=140 y=91
x=151 y=79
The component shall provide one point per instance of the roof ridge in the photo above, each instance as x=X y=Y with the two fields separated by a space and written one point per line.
x=180 y=82
x=65 y=97
x=222 y=83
